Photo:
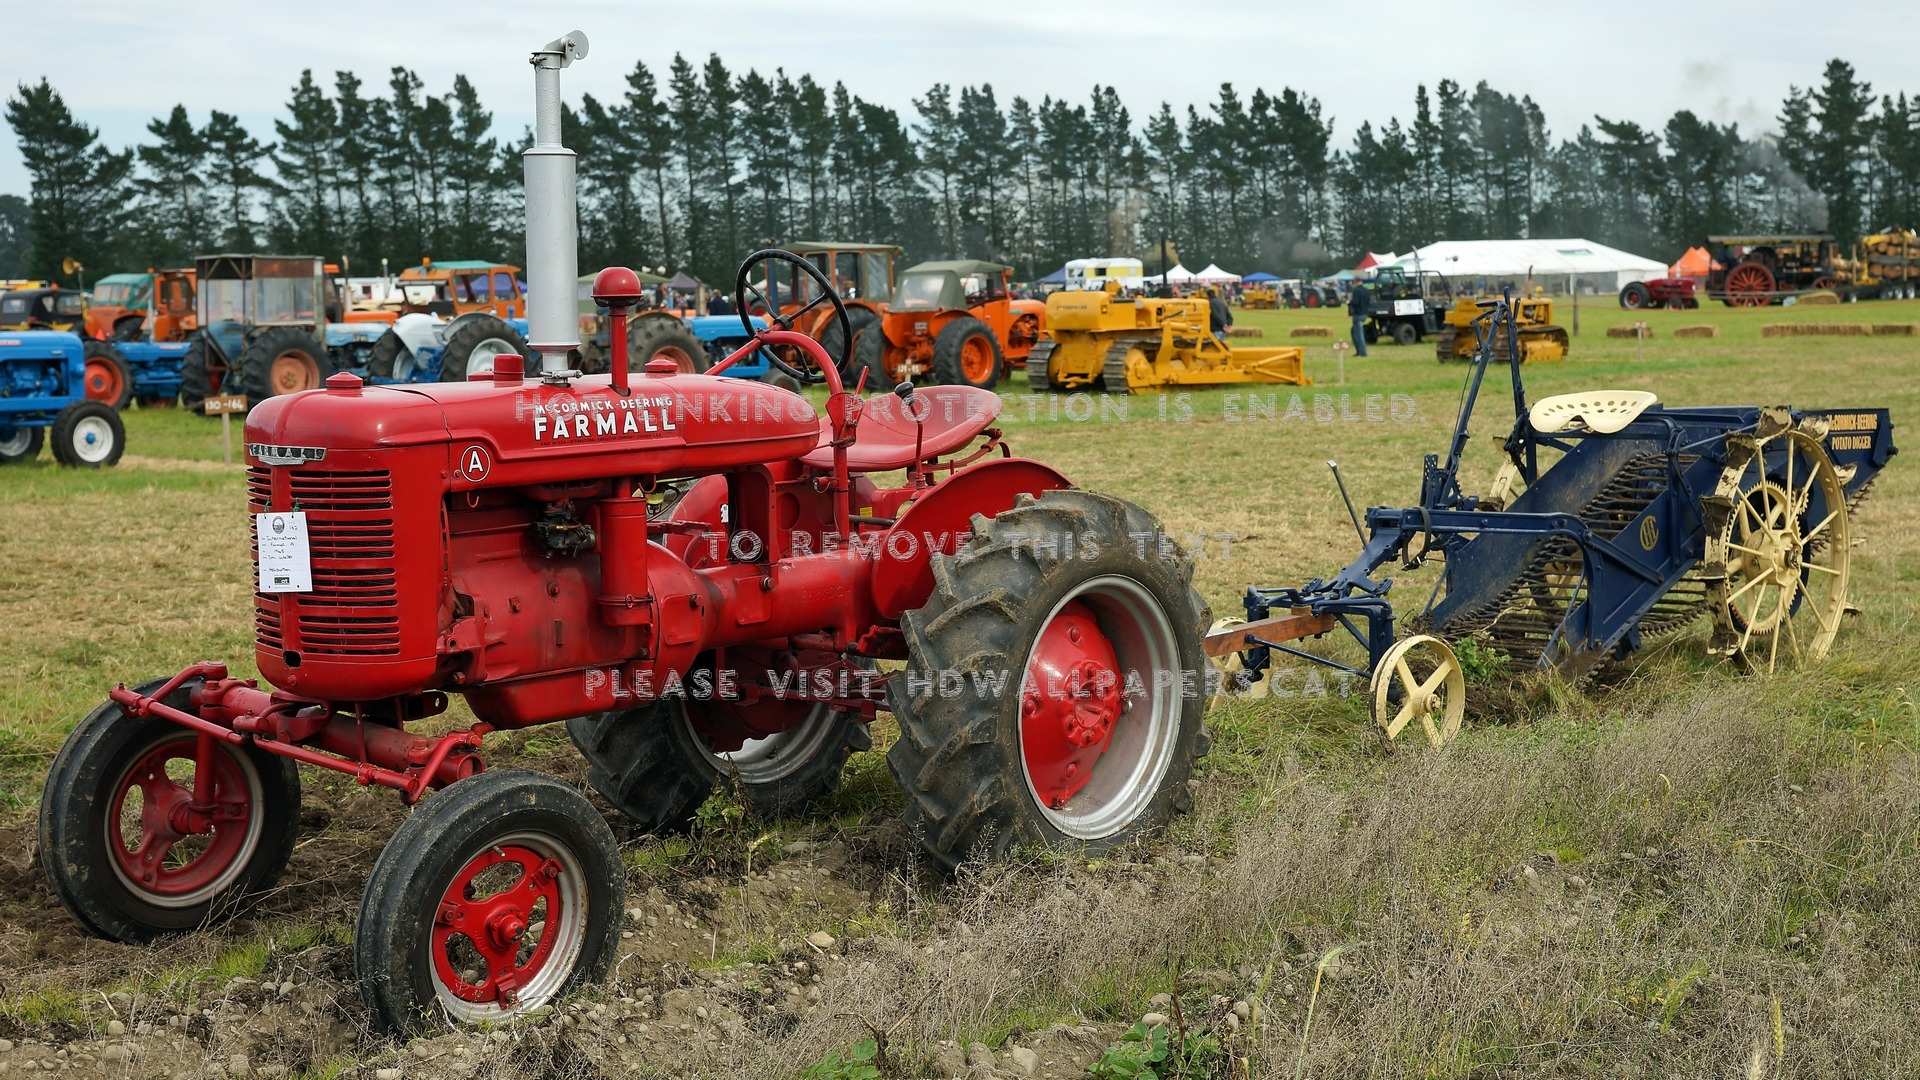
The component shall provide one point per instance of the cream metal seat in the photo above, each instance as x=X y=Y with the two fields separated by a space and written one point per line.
x=1602 y=411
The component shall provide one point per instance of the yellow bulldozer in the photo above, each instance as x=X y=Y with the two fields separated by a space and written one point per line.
x=1540 y=339
x=1139 y=344
x=1261 y=298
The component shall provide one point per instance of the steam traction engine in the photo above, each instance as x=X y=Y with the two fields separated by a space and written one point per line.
x=698 y=574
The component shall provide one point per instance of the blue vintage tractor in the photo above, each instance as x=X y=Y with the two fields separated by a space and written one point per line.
x=43 y=386
x=1614 y=519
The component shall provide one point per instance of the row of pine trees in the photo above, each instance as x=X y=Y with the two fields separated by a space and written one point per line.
x=691 y=171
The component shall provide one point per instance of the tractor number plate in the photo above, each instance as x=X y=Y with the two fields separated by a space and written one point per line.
x=1409 y=307
x=286 y=560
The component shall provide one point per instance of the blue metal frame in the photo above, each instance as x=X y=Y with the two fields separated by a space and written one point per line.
x=1624 y=575
x=41 y=373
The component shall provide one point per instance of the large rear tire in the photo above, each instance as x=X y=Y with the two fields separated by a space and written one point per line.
x=200 y=377
x=1081 y=596
x=1635 y=296
x=473 y=346
x=668 y=337
x=493 y=898
x=384 y=360
x=284 y=360
x=109 y=379
x=966 y=353
x=657 y=767
x=114 y=856
x=858 y=319
x=870 y=356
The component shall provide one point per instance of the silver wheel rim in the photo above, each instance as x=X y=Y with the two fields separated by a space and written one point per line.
x=1130 y=772
x=403 y=364
x=92 y=440
x=571 y=926
x=776 y=757
x=255 y=822
x=481 y=358
x=15 y=445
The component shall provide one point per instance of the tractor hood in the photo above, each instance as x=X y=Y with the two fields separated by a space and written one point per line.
x=511 y=433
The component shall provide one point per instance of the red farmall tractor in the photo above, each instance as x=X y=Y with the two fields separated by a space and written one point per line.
x=700 y=575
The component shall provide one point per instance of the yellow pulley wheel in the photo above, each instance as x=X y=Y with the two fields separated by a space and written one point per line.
x=1420 y=678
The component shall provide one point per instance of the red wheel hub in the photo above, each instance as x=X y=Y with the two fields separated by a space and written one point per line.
x=167 y=816
x=103 y=382
x=494 y=925
x=1069 y=702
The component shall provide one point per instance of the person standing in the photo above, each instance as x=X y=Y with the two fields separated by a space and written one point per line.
x=1219 y=316
x=1360 y=307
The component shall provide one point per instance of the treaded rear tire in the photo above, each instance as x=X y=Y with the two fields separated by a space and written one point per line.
x=475 y=331
x=392 y=941
x=647 y=763
x=256 y=363
x=947 y=351
x=858 y=319
x=870 y=355
x=385 y=355
x=99 y=352
x=959 y=758
x=196 y=382
x=664 y=334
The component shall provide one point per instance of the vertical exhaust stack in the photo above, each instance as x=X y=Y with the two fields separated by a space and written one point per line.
x=553 y=230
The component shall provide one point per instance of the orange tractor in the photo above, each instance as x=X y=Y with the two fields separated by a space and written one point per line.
x=956 y=321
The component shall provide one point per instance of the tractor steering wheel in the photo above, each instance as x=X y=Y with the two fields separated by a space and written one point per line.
x=785 y=322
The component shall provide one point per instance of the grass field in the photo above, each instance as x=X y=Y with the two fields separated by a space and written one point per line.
x=1674 y=870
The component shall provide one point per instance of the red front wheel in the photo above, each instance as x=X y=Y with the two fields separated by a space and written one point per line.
x=127 y=842
x=496 y=896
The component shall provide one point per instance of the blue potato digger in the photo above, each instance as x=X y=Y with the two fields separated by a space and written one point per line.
x=1614 y=519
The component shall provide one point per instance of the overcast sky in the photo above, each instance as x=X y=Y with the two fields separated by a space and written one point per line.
x=118 y=65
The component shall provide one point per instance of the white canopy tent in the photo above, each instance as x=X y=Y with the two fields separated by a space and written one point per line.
x=1598 y=265
x=1213 y=275
x=1179 y=275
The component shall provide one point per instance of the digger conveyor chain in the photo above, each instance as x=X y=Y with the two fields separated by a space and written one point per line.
x=1523 y=618
x=1113 y=374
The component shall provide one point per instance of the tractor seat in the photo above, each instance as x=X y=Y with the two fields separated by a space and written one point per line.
x=951 y=416
x=1602 y=411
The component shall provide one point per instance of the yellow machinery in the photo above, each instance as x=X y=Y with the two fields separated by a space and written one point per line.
x=1140 y=344
x=1540 y=340
x=1261 y=298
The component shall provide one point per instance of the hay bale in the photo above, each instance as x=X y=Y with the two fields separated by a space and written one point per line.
x=1815 y=329
x=1628 y=332
x=1819 y=299
x=1310 y=331
x=1245 y=331
x=1696 y=332
x=1896 y=329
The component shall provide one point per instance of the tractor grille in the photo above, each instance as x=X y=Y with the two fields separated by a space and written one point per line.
x=353 y=609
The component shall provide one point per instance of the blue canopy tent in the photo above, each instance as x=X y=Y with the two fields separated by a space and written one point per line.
x=1058 y=277
x=1259 y=277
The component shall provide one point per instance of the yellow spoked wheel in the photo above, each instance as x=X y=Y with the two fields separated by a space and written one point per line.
x=1784 y=546
x=1234 y=682
x=1420 y=678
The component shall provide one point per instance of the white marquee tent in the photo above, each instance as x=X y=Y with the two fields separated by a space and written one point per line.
x=1179 y=275
x=1213 y=275
x=1517 y=259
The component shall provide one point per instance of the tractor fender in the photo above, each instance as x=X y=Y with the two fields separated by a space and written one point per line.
x=417 y=330
x=939 y=523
